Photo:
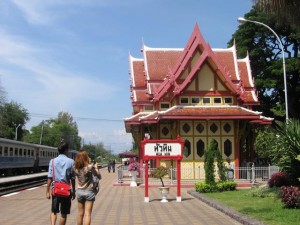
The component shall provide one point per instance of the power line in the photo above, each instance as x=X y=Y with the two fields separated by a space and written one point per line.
x=77 y=118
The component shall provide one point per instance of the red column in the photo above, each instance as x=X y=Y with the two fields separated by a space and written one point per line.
x=146 y=182
x=178 y=181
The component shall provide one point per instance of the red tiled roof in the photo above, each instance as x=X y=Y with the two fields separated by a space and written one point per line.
x=226 y=59
x=249 y=98
x=141 y=95
x=160 y=61
x=139 y=74
x=244 y=74
x=158 y=75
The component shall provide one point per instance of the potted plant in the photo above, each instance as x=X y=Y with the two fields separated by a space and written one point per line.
x=159 y=173
x=133 y=168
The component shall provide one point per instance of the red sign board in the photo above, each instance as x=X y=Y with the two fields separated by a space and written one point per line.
x=162 y=149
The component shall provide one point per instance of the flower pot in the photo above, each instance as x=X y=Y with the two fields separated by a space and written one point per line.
x=164 y=193
x=133 y=178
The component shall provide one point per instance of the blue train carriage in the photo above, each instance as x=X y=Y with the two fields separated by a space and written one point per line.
x=18 y=157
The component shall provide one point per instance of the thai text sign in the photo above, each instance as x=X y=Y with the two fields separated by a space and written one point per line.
x=162 y=149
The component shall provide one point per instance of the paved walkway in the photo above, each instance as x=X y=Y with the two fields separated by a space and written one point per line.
x=115 y=205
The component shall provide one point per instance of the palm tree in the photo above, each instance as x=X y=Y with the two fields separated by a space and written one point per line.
x=287 y=147
x=287 y=11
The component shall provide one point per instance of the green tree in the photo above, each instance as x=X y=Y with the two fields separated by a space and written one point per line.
x=51 y=132
x=13 y=117
x=266 y=137
x=98 y=152
x=287 y=147
x=266 y=63
x=2 y=95
x=287 y=12
x=282 y=145
x=211 y=153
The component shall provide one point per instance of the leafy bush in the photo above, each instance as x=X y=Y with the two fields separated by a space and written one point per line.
x=263 y=192
x=290 y=196
x=203 y=187
x=159 y=173
x=278 y=180
x=226 y=186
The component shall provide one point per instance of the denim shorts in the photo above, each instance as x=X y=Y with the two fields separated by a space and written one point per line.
x=86 y=195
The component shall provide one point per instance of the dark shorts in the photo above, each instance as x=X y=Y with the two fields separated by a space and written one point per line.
x=62 y=205
x=86 y=195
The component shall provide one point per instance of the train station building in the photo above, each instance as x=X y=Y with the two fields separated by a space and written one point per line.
x=199 y=93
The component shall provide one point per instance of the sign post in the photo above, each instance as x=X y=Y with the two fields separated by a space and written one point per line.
x=162 y=150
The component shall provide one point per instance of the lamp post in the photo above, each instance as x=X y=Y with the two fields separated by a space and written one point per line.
x=42 y=130
x=242 y=20
x=16 y=137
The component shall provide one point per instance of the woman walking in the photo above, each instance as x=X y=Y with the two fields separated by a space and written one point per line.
x=86 y=188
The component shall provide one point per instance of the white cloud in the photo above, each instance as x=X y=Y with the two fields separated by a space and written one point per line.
x=118 y=141
x=46 y=11
x=31 y=76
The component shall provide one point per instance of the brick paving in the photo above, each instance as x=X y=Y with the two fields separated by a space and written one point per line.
x=115 y=205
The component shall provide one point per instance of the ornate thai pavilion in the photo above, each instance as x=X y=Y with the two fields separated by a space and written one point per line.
x=198 y=93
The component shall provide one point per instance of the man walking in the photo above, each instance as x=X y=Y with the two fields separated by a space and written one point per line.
x=61 y=167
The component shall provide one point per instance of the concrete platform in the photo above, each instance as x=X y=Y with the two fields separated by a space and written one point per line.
x=115 y=205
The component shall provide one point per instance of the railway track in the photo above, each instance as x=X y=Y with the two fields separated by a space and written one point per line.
x=19 y=184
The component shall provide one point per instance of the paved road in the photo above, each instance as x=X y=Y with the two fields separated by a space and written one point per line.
x=115 y=205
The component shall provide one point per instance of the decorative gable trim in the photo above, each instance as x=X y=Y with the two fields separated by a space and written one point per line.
x=195 y=43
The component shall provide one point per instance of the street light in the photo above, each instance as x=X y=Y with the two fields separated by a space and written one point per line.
x=242 y=20
x=42 y=130
x=17 y=131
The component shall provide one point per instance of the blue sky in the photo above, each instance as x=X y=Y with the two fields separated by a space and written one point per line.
x=72 y=55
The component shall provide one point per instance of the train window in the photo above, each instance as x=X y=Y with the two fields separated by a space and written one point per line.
x=20 y=152
x=5 y=151
x=11 y=151
x=1 y=152
x=32 y=153
x=16 y=152
x=25 y=152
x=28 y=153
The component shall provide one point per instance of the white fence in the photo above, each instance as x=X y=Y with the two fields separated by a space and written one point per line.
x=241 y=174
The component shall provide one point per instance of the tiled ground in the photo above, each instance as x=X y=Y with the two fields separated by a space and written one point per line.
x=114 y=205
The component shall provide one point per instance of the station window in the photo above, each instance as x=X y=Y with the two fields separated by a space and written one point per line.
x=164 y=105
x=148 y=107
x=228 y=100
x=184 y=100
x=195 y=100
x=206 y=100
x=217 y=100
